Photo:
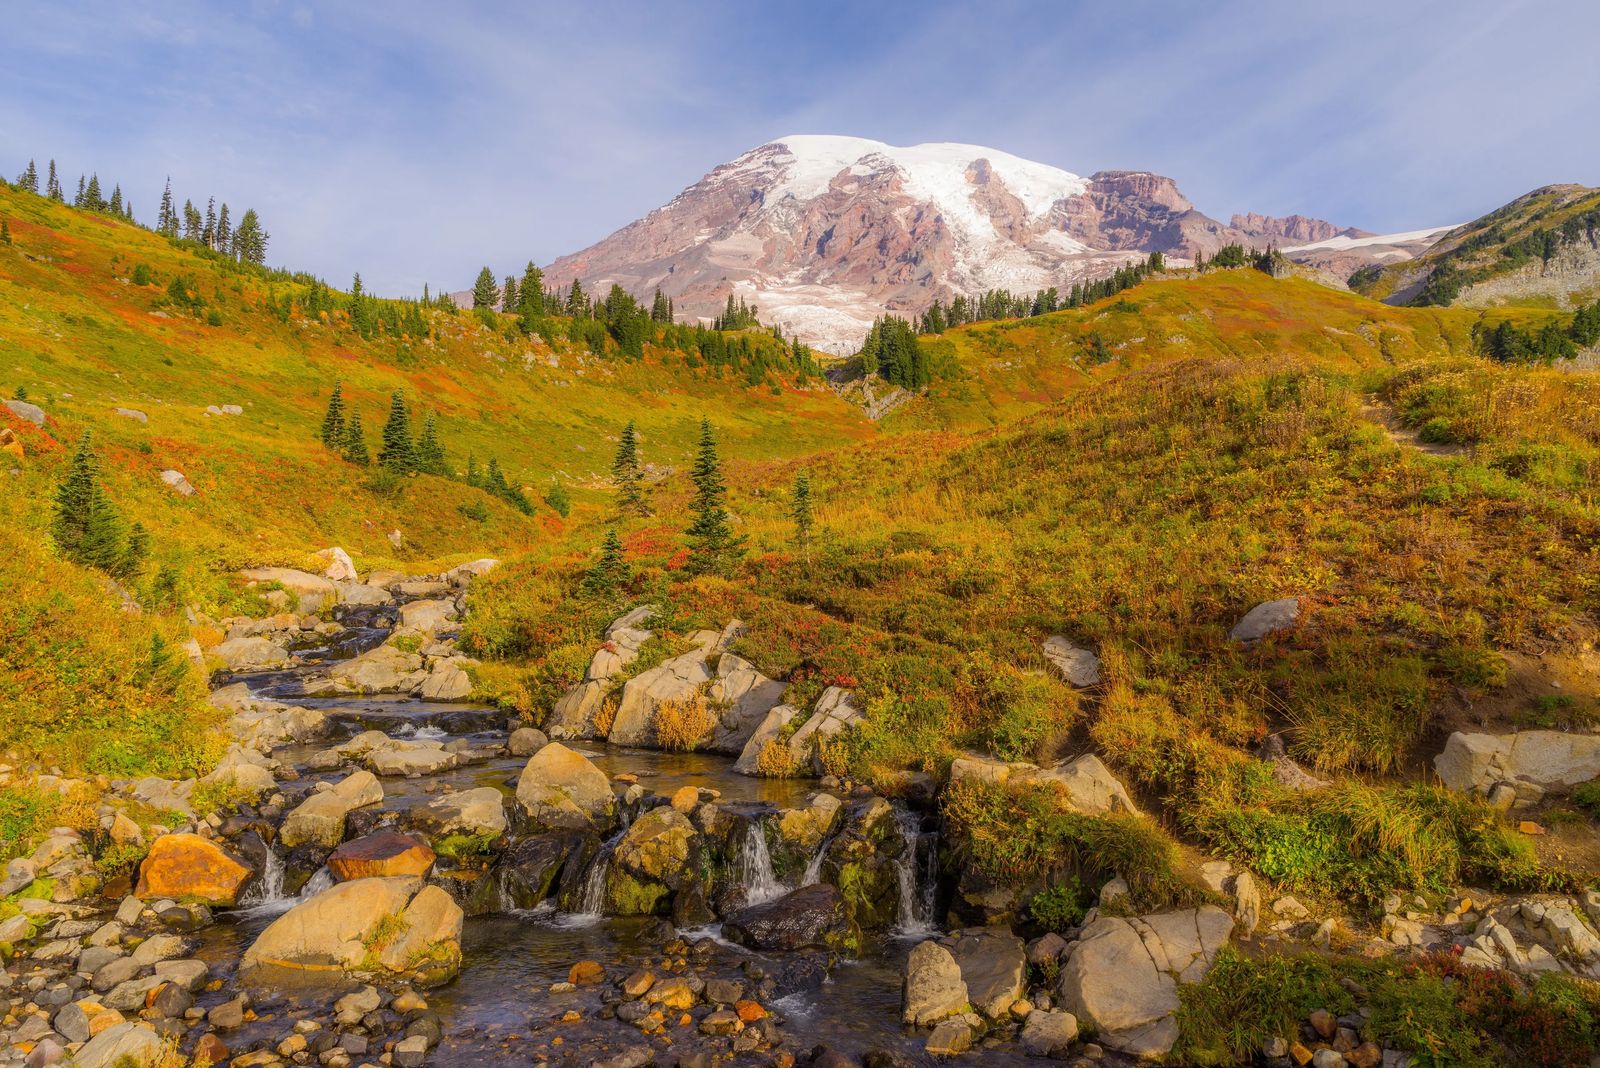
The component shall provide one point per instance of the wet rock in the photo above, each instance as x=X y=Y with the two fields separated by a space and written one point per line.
x=320 y=819
x=378 y=855
x=1046 y=1034
x=251 y=653
x=1272 y=617
x=526 y=874
x=810 y=917
x=934 y=988
x=395 y=924
x=446 y=682
x=994 y=969
x=651 y=862
x=561 y=790
x=950 y=1038
x=186 y=867
x=479 y=811
x=411 y=1052
x=526 y=741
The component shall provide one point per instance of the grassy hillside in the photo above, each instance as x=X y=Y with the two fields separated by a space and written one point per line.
x=89 y=324
x=1234 y=450
x=1536 y=229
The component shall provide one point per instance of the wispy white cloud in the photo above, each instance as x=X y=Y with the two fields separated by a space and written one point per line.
x=415 y=142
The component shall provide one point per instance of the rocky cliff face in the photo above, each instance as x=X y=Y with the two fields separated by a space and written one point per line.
x=1290 y=229
x=824 y=234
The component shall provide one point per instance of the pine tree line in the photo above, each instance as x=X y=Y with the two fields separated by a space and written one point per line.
x=91 y=195
x=399 y=453
x=892 y=352
x=1506 y=343
x=1003 y=304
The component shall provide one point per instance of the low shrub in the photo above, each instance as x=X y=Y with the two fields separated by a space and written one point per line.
x=682 y=725
x=1241 y=1003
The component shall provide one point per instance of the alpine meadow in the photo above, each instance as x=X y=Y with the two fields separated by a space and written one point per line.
x=888 y=605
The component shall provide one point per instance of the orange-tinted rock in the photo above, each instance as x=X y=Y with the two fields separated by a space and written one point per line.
x=586 y=973
x=186 y=867
x=749 y=1011
x=381 y=855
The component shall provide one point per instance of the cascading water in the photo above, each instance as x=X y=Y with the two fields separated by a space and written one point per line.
x=915 y=871
x=267 y=898
x=813 y=872
x=754 y=867
x=592 y=902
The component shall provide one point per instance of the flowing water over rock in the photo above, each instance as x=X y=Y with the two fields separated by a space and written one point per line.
x=501 y=1009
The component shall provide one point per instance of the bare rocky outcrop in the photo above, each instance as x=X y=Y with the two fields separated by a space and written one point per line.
x=1087 y=784
x=1123 y=974
x=1528 y=764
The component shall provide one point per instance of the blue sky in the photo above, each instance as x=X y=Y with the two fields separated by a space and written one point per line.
x=415 y=142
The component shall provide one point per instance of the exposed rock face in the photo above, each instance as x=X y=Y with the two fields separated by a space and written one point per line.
x=561 y=791
x=186 y=867
x=1089 y=785
x=643 y=695
x=767 y=731
x=1290 y=229
x=834 y=712
x=394 y=926
x=744 y=696
x=827 y=233
x=427 y=616
x=1123 y=974
x=1532 y=763
x=994 y=969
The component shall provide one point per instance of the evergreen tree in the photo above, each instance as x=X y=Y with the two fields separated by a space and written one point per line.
x=577 y=301
x=250 y=240
x=224 y=231
x=531 y=292
x=209 y=233
x=52 y=188
x=660 y=308
x=474 y=476
x=5 y=231
x=610 y=571
x=510 y=299
x=115 y=207
x=430 y=454
x=627 y=475
x=191 y=221
x=167 y=220
x=800 y=512
x=556 y=497
x=712 y=545
x=485 y=294
x=93 y=199
x=85 y=526
x=29 y=179
x=355 y=441
x=77 y=198
x=399 y=453
x=333 y=435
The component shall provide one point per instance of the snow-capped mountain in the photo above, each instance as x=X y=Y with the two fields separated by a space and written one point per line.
x=826 y=233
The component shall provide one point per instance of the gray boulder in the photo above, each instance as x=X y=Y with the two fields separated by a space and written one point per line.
x=934 y=988
x=1272 y=617
x=1079 y=666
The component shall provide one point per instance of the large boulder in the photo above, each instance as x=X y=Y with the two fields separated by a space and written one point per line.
x=243 y=771
x=560 y=790
x=833 y=713
x=388 y=927
x=427 y=616
x=250 y=653
x=1531 y=762
x=478 y=812
x=651 y=862
x=994 y=968
x=743 y=697
x=675 y=680
x=812 y=917
x=574 y=714
x=934 y=988
x=1088 y=785
x=766 y=733
x=385 y=669
x=123 y=1045
x=1079 y=666
x=186 y=867
x=340 y=567
x=320 y=818
x=312 y=592
x=412 y=759
x=380 y=855
x=24 y=410
x=1123 y=974
x=1272 y=617
x=462 y=574
x=446 y=682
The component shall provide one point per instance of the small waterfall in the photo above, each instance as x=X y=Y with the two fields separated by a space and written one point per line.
x=592 y=902
x=269 y=889
x=267 y=898
x=915 y=871
x=813 y=872
x=754 y=866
